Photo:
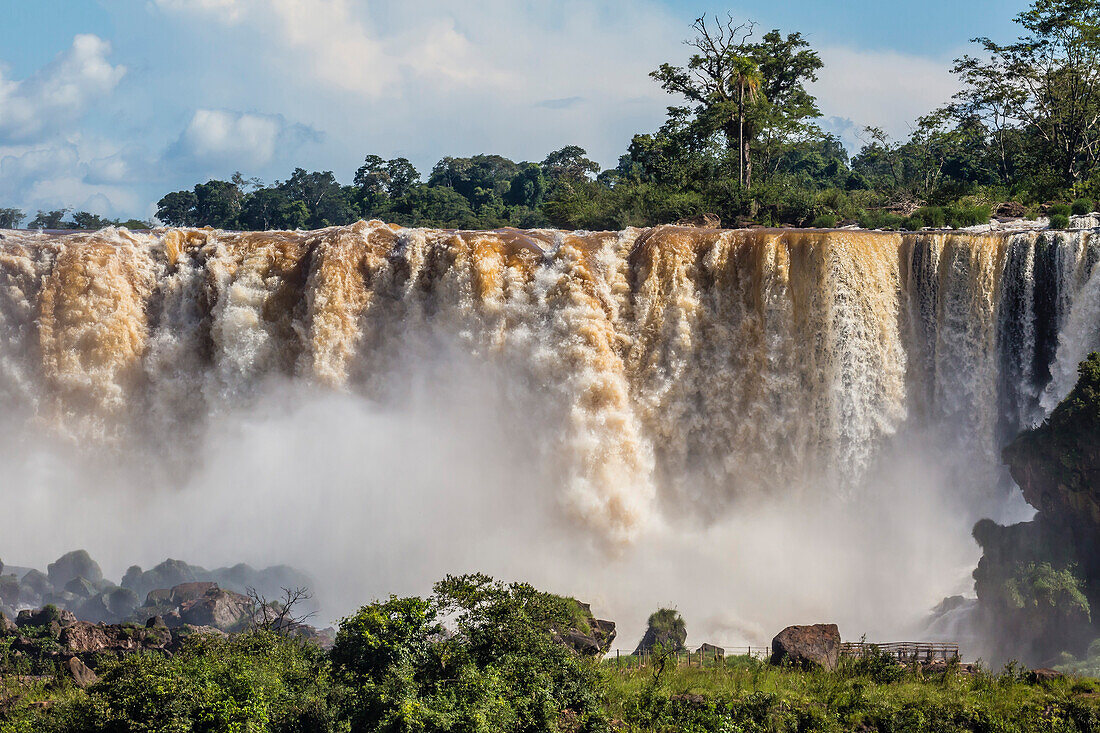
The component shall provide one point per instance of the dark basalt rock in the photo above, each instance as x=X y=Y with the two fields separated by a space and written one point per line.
x=807 y=646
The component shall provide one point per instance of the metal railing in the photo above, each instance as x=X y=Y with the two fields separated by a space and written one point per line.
x=628 y=659
x=921 y=651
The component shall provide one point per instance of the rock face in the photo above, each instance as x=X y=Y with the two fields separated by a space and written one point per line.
x=1038 y=582
x=807 y=646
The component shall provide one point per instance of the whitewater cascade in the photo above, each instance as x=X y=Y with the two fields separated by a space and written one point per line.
x=673 y=365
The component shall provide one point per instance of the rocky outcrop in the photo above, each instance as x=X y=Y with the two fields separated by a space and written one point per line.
x=219 y=608
x=77 y=564
x=807 y=646
x=587 y=635
x=1038 y=582
x=665 y=629
x=75 y=583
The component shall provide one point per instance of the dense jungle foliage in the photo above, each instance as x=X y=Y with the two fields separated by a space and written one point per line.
x=741 y=141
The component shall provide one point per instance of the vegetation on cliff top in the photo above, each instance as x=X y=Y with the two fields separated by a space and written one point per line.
x=742 y=141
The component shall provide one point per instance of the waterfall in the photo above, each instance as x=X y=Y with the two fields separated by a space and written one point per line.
x=668 y=366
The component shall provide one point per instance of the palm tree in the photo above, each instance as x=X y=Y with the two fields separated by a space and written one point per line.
x=746 y=78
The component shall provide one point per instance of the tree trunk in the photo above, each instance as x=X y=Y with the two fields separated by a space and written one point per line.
x=746 y=156
x=741 y=135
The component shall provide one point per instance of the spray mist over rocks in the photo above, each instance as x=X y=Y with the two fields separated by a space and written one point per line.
x=760 y=427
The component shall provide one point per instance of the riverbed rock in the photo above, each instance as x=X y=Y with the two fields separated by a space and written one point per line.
x=807 y=646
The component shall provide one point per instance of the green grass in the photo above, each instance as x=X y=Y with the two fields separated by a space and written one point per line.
x=742 y=694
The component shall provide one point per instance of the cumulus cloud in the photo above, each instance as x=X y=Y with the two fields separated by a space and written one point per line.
x=59 y=93
x=246 y=140
x=881 y=88
x=68 y=175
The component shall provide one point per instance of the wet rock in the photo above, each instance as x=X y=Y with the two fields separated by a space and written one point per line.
x=71 y=565
x=807 y=646
x=82 y=676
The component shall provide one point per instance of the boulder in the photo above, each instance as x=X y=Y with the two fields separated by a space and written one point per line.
x=168 y=574
x=1010 y=210
x=82 y=676
x=219 y=608
x=807 y=646
x=71 y=565
x=184 y=592
x=80 y=587
x=711 y=650
x=7 y=626
x=109 y=606
x=35 y=582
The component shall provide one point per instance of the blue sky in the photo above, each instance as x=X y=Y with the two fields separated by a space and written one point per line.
x=107 y=104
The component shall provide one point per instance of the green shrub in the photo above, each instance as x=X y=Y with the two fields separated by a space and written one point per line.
x=824 y=221
x=1059 y=221
x=913 y=224
x=932 y=216
x=878 y=219
x=960 y=216
x=1059 y=210
x=1082 y=207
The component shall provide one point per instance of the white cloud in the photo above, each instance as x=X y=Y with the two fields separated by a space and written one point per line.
x=223 y=138
x=59 y=93
x=56 y=175
x=881 y=88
